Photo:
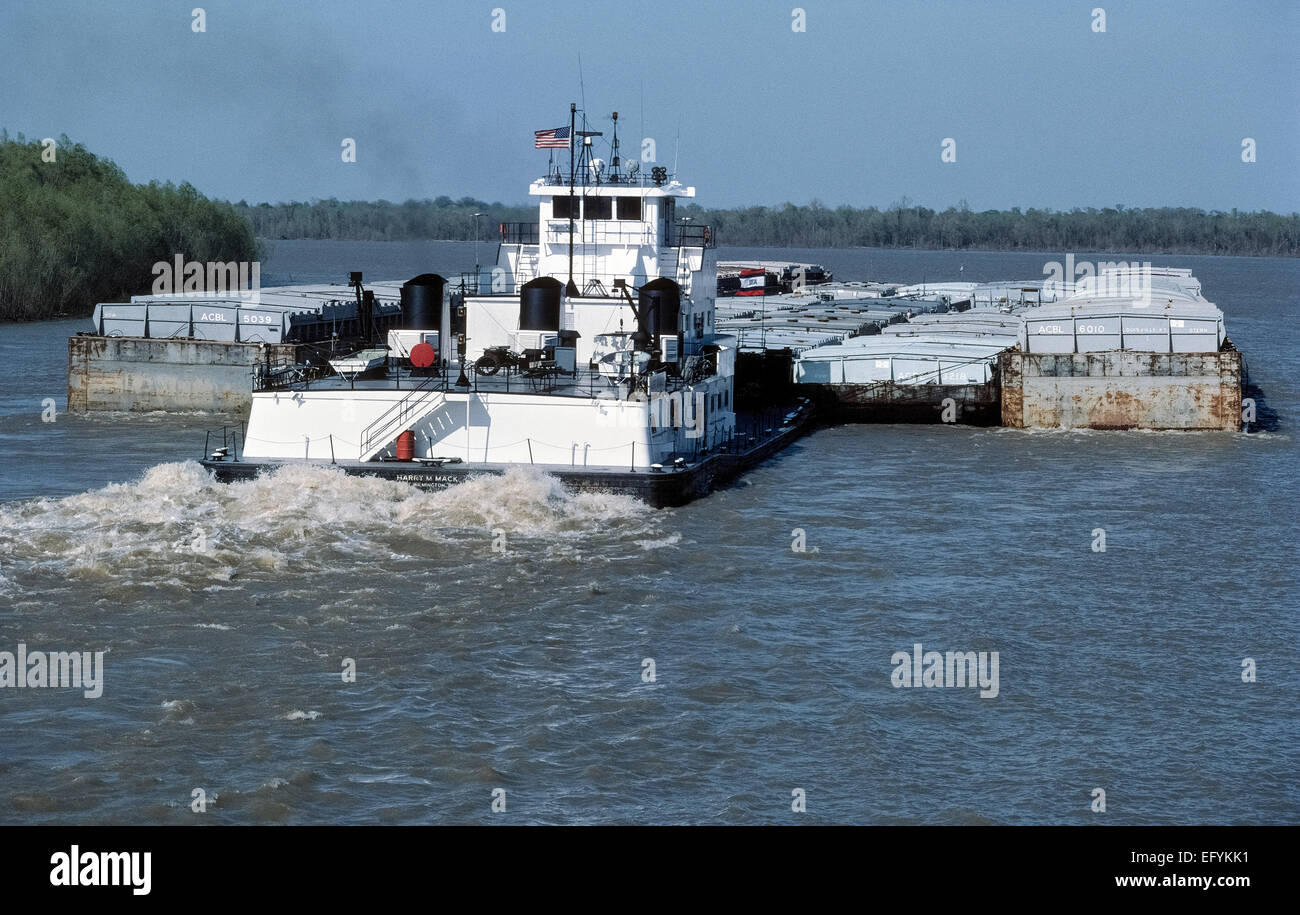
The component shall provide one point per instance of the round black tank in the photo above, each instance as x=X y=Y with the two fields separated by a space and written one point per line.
x=659 y=303
x=539 y=304
x=422 y=302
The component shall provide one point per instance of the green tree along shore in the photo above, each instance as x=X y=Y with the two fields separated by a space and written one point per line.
x=1162 y=230
x=75 y=231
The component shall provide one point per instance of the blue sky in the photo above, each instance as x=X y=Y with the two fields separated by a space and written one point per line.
x=1044 y=111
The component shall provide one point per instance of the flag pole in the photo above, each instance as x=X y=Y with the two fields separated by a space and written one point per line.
x=572 y=288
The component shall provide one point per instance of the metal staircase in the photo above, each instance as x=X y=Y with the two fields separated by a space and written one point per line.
x=525 y=267
x=673 y=266
x=411 y=409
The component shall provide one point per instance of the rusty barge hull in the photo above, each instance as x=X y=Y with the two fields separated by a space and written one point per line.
x=140 y=374
x=1115 y=390
x=1122 y=390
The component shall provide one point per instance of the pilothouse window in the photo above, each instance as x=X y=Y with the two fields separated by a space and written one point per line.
x=560 y=207
x=598 y=208
x=629 y=208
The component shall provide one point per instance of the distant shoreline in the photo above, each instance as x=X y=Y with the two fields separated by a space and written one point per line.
x=778 y=247
x=1150 y=230
x=1046 y=255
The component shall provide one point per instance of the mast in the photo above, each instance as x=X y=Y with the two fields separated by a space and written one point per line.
x=614 y=174
x=572 y=288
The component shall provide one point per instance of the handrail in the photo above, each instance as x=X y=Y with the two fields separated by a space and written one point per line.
x=485 y=286
x=232 y=441
x=518 y=233
x=395 y=415
x=601 y=232
x=606 y=231
x=584 y=179
x=693 y=235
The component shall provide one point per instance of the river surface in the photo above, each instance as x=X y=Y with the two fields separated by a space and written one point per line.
x=504 y=632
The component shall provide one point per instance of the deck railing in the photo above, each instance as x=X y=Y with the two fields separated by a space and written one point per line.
x=645 y=177
x=232 y=441
x=599 y=285
x=518 y=233
x=693 y=235
x=607 y=232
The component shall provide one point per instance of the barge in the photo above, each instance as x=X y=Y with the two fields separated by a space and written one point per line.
x=1134 y=347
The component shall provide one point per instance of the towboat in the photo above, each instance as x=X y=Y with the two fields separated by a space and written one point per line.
x=588 y=350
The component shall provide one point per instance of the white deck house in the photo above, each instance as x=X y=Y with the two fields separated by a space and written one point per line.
x=609 y=296
x=622 y=234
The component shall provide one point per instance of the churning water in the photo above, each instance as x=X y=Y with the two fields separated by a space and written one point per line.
x=504 y=632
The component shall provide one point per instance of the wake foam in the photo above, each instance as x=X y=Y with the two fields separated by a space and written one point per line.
x=176 y=523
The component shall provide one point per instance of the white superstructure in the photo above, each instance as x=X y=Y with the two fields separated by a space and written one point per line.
x=589 y=343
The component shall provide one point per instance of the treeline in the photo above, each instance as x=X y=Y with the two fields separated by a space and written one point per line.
x=356 y=220
x=74 y=231
x=1164 y=230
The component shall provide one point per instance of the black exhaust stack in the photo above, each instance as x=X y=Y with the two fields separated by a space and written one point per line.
x=658 y=314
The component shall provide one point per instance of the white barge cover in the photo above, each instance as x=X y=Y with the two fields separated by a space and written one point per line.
x=1157 y=310
x=257 y=316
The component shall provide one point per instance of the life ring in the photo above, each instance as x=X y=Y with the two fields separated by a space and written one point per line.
x=706 y=236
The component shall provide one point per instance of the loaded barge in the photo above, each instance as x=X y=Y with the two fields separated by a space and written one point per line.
x=1133 y=346
x=204 y=350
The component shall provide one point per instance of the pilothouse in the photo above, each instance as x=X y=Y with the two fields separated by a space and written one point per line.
x=588 y=350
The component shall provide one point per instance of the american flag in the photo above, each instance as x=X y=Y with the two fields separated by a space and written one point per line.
x=555 y=138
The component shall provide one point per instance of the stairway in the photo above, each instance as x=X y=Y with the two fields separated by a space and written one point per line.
x=676 y=268
x=669 y=262
x=525 y=267
x=408 y=411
